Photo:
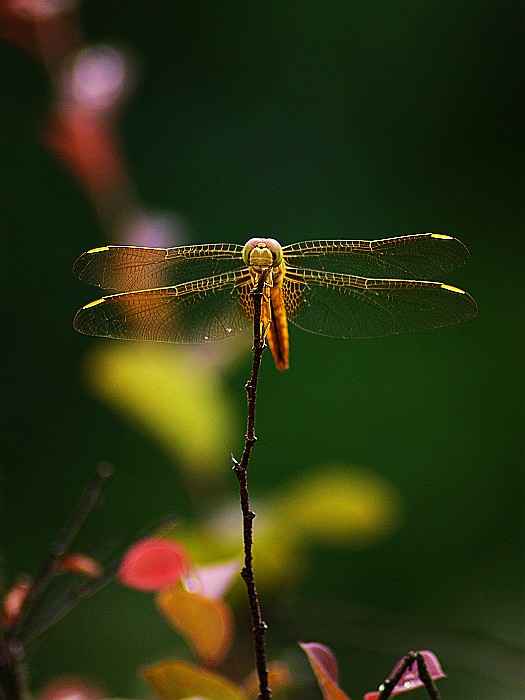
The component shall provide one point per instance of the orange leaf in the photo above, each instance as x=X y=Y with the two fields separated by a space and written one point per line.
x=279 y=678
x=175 y=680
x=324 y=665
x=207 y=624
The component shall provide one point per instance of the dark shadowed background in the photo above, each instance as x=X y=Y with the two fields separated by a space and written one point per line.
x=295 y=120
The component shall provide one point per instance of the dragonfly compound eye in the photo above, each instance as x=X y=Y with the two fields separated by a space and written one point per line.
x=262 y=252
x=246 y=251
x=276 y=249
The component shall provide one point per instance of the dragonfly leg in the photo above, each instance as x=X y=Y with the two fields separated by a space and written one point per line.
x=266 y=315
x=266 y=308
x=265 y=327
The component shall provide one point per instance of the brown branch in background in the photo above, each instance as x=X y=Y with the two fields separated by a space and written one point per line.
x=259 y=627
x=60 y=546
x=29 y=621
x=13 y=676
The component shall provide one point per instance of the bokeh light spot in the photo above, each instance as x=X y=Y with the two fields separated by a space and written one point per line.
x=99 y=78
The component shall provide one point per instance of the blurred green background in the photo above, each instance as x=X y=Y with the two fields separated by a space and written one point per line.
x=295 y=120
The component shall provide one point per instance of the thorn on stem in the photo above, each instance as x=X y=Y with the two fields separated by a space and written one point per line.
x=105 y=470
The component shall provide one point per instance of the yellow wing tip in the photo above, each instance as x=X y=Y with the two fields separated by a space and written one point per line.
x=443 y=236
x=98 y=250
x=108 y=247
x=93 y=303
x=450 y=288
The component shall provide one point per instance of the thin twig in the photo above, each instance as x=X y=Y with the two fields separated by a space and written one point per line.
x=259 y=627
x=60 y=545
x=87 y=588
x=425 y=676
x=13 y=675
x=412 y=657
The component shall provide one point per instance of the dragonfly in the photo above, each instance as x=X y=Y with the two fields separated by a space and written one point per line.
x=335 y=288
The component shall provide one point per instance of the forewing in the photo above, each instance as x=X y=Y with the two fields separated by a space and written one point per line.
x=420 y=256
x=132 y=268
x=196 y=312
x=343 y=306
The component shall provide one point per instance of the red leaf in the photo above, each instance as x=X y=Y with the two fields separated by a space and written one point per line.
x=152 y=564
x=324 y=665
x=410 y=678
x=71 y=688
x=14 y=601
x=78 y=564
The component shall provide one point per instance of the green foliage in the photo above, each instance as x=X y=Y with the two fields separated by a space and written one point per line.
x=298 y=121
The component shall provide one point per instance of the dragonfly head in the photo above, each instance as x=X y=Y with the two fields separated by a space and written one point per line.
x=261 y=253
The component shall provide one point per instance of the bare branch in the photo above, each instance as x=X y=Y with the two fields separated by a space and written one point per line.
x=259 y=627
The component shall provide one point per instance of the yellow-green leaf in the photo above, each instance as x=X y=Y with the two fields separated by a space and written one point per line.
x=167 y=391
x=176 y=680
x=341 y=505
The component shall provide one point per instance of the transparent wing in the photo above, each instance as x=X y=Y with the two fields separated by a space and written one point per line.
x=130 y=268
x=344 y=306
x=195 y=312
x=421 y=256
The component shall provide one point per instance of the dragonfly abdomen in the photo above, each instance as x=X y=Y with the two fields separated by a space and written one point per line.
x=278 y=338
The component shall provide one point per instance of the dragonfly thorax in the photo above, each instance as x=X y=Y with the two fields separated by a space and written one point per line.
x=262 y=253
